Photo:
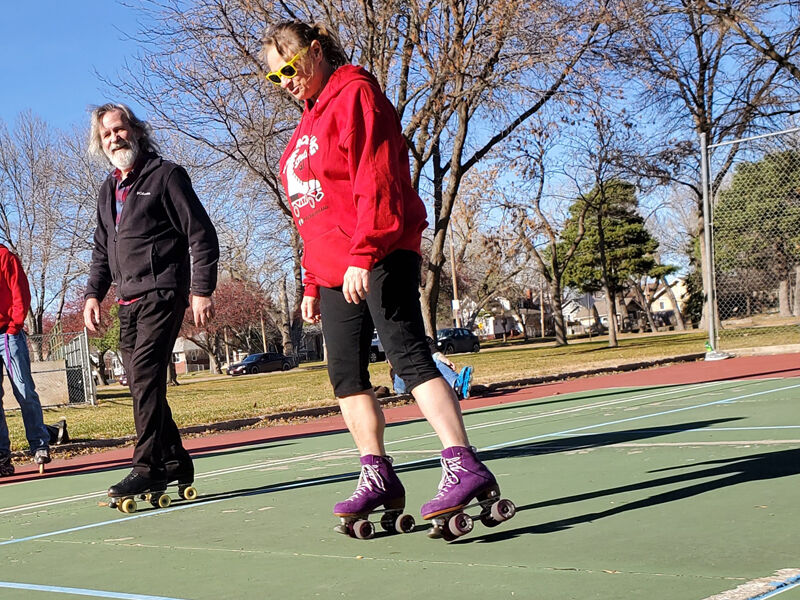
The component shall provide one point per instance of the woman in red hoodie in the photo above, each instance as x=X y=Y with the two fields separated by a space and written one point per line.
x=346 y=175
x=15 y=302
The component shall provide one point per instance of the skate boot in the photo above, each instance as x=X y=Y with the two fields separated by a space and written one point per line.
x=63 y=435
x=181 y=473
x=41 y=457
x=6 y=467
x=378 y=485
x=464 y=478
x=463 y=383
x=123 y=495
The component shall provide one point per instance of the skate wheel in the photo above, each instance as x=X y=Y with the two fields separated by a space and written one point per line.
x=389 y=523
x=503 y=510
x=362 y=529
x=162 y=501
x=488 y=520
x=460 y=524
x=404 y=523
x=188 y=493
x=41 y=469
x=128 y=506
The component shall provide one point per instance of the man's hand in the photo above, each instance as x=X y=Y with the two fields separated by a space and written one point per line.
x=202 y=310
x=309 y=309
x=91 y=314
x=355 y=285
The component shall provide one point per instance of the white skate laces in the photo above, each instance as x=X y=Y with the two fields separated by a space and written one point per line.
x=369 y=480
x=450 y=466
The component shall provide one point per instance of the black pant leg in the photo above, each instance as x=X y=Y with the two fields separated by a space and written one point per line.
x=148 y=329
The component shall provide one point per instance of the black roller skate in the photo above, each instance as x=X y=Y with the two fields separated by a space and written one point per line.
x=138 y=485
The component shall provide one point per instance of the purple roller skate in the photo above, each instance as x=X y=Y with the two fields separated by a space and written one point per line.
x=378 y=485
x=464 y=478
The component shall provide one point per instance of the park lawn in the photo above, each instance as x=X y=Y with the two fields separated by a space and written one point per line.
x=204 y=399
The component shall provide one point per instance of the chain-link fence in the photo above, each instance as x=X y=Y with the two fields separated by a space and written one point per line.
x=755 y=234
x=61 y=369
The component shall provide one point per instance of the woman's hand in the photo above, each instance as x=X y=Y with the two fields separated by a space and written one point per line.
x=355 y=285
x=309 y=309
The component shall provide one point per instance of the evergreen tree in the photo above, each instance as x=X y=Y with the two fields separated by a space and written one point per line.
x=615 y=247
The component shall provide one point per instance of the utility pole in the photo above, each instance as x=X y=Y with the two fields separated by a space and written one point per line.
x=456 y=305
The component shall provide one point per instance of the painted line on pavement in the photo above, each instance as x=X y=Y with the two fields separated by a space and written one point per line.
x=639 y=417
x=341 y=477
x=79 y=591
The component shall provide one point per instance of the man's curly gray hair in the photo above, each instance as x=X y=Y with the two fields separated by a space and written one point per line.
x=141 y=129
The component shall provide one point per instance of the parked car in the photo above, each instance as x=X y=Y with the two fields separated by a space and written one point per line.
x=376 y=351
x=457 y=339
x=262 y=363
x=123 y=378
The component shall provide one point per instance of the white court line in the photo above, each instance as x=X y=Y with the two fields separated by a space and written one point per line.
x=345 y=451
x=79 y=591
x=308 y=482
x=629 y=419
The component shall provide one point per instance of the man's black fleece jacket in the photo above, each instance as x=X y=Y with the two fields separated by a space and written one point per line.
x=149 y=248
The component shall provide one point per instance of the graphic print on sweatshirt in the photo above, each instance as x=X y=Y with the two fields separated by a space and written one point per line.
x=302 y=192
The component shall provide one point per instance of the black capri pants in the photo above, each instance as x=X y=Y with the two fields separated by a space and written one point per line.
x=392 y=308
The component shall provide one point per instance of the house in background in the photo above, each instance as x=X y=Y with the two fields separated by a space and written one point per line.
x=188 y=357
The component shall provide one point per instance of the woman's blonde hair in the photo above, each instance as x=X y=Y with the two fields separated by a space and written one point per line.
x=289 y=37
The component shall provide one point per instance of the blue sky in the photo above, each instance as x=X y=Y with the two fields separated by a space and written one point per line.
x=49 y=51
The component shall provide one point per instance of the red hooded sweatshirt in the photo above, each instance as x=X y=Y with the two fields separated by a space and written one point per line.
x=15 y=295
x=346 y=175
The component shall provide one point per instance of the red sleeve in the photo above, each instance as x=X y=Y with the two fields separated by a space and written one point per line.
x=20 y=294
x=373 y=148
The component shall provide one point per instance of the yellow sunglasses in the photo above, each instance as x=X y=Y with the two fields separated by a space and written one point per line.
x=288 y=70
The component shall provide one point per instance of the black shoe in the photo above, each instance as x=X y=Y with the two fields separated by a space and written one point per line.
x=6 y=468
x=63 y=436
x=137 y=483
x=182 y=472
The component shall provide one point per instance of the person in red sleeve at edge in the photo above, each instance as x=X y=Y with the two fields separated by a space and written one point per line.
x=15 y=302
x=346 y=174
x=148 y=219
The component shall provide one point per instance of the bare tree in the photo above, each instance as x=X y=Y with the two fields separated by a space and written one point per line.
x=44 y=218
x=769 y=27
x=681 y=59
x=464 y=75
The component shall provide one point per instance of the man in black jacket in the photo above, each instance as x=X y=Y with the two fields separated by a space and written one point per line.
x=148 y=221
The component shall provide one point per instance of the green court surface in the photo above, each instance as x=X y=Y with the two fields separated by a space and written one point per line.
x=670 y=492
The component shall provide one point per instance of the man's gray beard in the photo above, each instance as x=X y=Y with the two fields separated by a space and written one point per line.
x=124 y=159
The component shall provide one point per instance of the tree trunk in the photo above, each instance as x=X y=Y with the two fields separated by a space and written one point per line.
x=680 y=323
x=783 y=298
x=172 y=374
x=645 y=305
x=285 y=320
x=101 y=370
x=796 y=308
x=558 y=312
x=611 y=302
x=213 y=364
x=622 y=310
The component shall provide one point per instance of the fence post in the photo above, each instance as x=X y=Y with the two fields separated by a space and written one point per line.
x=91 y=390
x=709 y=282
